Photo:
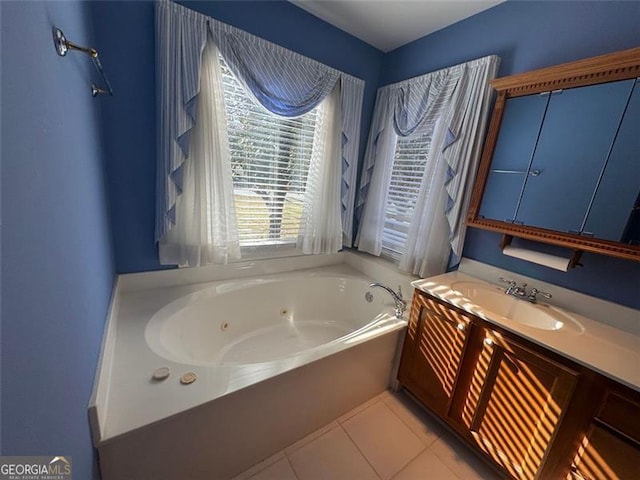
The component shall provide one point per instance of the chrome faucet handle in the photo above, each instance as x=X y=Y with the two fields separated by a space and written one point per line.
x=512 y=285
x=400 y=299
x=534 y=294
x=518 y=290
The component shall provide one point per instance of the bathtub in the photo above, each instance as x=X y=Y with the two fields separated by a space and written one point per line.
x=275 y=356
x=267 y=320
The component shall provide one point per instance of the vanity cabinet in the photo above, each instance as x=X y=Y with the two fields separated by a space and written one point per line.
x=610 y=447
x=530 y=413
x=514 y=404
x=433 y=349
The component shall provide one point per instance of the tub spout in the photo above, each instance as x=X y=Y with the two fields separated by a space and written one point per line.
x=401 y=305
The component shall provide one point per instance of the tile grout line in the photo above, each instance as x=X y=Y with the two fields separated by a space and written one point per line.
x=408 y=425
x=467 y=452
x=411 y=461
x=359 y=412
x=293 y=469
x=375 y=472
x=425 y=446
x=338 y=423
x=381 y=398
x=263 y=466
x=316 y=434
x=359 y=409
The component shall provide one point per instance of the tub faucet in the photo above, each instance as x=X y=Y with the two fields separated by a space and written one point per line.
x=401 y=305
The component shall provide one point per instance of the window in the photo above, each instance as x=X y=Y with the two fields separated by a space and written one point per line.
x=409 y=162
x=270 y=158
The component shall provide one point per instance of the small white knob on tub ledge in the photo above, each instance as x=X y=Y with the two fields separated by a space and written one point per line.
x=188 y=378
x=161 y=373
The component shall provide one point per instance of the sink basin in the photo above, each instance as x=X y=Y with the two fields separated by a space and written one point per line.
x=488 y=300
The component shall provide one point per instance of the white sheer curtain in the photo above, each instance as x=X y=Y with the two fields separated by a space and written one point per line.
x=321 y=222
x=382 y=144
x=427 y=246
x=455 y=103
x=205 y=229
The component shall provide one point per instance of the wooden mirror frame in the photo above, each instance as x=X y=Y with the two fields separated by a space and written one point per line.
x=605 y=68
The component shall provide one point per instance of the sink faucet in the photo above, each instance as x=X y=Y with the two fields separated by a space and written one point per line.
x=520 y=291
x=401 y=305
x=514 y=289
x=533 y=295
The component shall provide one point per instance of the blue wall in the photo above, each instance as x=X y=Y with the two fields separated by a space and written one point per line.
x=129 y=118
x=527 y=35
x=530 y=35
x=125 y=33
x=57 y=262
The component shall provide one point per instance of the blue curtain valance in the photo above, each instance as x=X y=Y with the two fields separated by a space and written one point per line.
x=418 y=103
x=282 y=81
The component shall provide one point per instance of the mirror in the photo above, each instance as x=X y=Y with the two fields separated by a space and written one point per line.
x=561 y=161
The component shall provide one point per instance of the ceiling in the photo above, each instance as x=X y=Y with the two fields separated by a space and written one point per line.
x=389 y=24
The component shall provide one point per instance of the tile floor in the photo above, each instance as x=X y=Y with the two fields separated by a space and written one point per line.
x=387 y=438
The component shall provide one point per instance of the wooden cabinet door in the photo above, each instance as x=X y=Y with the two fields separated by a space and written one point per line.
x=610 y=449
x=432 y=352
x=577 y=134
x=515 y=402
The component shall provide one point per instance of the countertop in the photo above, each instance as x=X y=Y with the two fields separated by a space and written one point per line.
x=613 y=352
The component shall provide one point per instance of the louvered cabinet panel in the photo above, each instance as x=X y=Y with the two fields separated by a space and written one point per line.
x=610 y=450
x=514 y=404
x=531 y=413
x=433 y=350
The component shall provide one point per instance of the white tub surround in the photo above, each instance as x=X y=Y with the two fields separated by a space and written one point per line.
x=597 y=334
x=100 y=393
x=276 y=356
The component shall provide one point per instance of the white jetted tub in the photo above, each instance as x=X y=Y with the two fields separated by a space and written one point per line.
x=266 y=320
x=275 y=357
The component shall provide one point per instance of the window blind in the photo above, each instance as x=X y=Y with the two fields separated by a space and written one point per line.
x=270 y=158
x=409 y=162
